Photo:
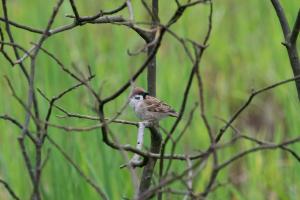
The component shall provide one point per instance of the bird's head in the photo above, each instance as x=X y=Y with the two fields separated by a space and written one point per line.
x=138 y=94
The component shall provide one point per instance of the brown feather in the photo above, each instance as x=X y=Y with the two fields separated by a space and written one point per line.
x=137 y=90
x=155 y=105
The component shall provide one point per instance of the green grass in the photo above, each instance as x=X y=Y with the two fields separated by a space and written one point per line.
x=244 y=53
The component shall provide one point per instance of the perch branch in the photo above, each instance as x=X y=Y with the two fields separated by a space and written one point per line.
x=136 y=159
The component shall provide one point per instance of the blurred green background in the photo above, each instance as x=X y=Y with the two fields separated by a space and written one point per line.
x=244 y=53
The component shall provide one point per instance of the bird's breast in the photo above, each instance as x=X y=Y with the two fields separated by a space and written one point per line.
x=141 y=111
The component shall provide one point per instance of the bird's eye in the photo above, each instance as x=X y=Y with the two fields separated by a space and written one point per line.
x=137 y=97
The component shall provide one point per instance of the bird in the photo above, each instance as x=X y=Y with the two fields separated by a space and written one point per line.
x=149 y=108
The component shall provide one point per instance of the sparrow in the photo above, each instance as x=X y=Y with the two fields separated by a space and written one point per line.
x=149 y=108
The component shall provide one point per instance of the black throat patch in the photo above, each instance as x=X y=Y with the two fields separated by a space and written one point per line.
x=144 y=94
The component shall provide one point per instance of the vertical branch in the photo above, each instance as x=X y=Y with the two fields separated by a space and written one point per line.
x=149 y=168
x=155 y=135
x=189 y=180
x=151 y=75
x=290 y=39
x=296 y=29
x=136 y=159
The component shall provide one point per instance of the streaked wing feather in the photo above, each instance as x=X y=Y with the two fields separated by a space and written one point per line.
x=155 y=105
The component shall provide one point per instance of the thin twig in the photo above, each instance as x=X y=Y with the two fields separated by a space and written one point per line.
x=9 y=189
x=76 y=167
x=247 y=103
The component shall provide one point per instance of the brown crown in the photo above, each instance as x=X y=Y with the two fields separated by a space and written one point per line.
x=138 y=90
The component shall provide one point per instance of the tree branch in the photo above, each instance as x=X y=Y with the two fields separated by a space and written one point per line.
x=290 y=40
x=296 y=29
x=9 y=189
x=247 y=103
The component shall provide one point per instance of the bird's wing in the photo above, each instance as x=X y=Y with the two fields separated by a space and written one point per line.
x=155 y=105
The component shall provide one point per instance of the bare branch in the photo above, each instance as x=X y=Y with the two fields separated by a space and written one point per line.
x=76 y=167
x=247 y=103
x=296 y=29
x=130 y=9
x=136 y=160
x=282 y=18
x=102 y=13
x=255 y=149
x=75 y=11
x=7 y=27
x=290 y=40
x=71 y=73
x=20 y=26
x=9 y=189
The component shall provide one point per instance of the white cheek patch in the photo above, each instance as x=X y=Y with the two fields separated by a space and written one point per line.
x=135 y=101
x=138 y=97
x=132 y=103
